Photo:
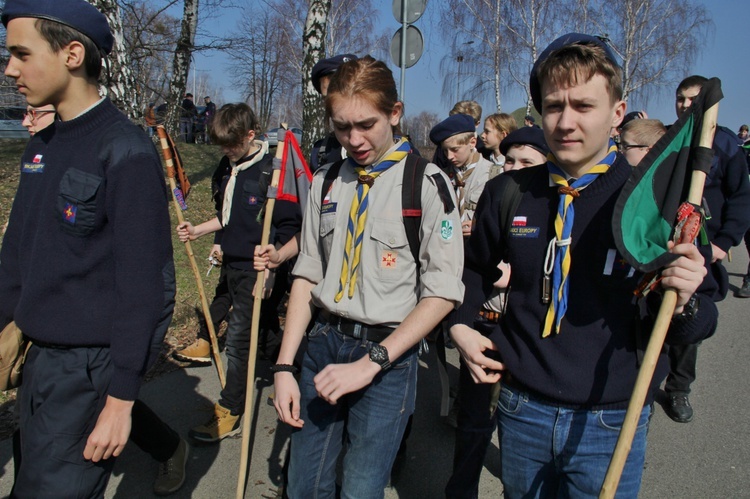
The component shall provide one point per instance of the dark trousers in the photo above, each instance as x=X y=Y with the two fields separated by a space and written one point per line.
x=475 y=425
x=682 y=362
x=747 y=245
x=219 y=307
x=63 y=392
x=269 y=334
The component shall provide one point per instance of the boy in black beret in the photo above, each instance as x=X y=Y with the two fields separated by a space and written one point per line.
x=456 y=136
x=523 y=148
x=86 y=264
x=568 y=359
x=328 y=149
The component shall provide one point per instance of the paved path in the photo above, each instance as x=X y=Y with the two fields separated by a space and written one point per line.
x=706 y=458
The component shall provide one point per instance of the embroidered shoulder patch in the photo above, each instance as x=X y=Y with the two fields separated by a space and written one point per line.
x=446 y=229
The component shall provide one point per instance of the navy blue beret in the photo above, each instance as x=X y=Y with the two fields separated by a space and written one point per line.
x=452 y=125
x=328 y=66
x=526 y=135
x=77 y=14
x=565 y=40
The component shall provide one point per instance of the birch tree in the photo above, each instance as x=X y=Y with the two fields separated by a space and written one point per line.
x=658 y=40
x=181 y=62
x=118 y=82
x=478 y=51
x=313 y=49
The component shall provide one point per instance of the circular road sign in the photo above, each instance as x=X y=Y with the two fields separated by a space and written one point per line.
x=414 y=46
x=414 y=10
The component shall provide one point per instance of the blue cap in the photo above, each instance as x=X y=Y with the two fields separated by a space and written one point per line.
x=570 y=39
x=328 y=66
x=525 y=136
x=452 y=125
x=77 y=14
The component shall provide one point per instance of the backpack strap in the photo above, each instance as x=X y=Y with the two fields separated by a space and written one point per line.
x=411 y=201
x=331 y=175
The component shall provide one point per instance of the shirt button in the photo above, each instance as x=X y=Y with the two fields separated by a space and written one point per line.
x=392 y=240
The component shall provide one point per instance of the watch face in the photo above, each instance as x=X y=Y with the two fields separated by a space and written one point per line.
x=378 y=354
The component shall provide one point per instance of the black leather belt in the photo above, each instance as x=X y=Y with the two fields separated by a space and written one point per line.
x=354 y=329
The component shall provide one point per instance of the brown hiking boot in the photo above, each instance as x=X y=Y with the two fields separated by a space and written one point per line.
x=221 y=425
x=198 y=352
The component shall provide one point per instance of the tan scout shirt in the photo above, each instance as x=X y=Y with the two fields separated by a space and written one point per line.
x=474 y=187
x=386 y=290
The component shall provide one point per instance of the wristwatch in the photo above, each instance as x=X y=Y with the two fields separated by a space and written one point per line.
x=379 y=355
x=690 y=310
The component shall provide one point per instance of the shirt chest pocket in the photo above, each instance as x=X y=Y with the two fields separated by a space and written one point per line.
x=391 y=248
x=251 y=196
x=76 y=202
x=327 y=224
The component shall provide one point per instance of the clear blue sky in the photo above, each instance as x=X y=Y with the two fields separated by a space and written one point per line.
x=725 y=56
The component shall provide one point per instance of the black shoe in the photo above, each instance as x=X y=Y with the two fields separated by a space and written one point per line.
x=744 y=291
x=679 y=409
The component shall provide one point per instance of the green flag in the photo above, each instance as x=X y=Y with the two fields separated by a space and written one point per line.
x=646 y=210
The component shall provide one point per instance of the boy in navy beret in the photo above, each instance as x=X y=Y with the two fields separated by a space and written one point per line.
x=523 y=148
x=328 y=149
x=86 y=263
x=567 y=356
x=469 y=171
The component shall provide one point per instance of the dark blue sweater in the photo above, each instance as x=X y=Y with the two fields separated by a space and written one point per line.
x=245 y=227
x=593 y=361
x=88 y=237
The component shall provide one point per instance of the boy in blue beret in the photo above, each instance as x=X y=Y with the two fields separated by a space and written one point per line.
x=469 y=171
x=523 y=148
x=568 y=358
x=86 y=263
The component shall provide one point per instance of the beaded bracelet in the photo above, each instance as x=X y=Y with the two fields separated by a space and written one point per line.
x=283 y=368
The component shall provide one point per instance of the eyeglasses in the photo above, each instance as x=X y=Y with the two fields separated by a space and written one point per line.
x=624 y=146
x=34 y=113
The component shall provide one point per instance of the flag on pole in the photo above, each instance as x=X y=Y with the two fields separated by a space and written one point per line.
x=646 y=210
x=182 y=189
x=295 y=176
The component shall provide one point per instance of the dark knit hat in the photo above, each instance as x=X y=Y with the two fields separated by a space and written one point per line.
x=570 y=39
x=77 y=14
x=328 y=66
x=527 y=136
x=458 y=123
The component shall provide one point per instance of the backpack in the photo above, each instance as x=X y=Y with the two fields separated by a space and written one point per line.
x=411 y=197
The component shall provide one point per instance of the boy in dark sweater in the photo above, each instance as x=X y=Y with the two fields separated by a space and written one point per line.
x=86 y=258
x=243 y=193
x=567 y=372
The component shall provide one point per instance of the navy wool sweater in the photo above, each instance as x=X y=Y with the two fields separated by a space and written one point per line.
x=88 y=240
x=244 y=230
x=593 y=361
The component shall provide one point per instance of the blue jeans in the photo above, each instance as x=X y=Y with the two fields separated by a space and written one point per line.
x=551 y=451
x=375 y=418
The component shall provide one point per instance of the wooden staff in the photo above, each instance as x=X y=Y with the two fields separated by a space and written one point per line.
x=659 y=333
x=259 y=285
x=169 y=158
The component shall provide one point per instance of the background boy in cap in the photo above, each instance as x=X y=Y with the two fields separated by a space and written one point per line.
x=523 y=148
x=456 y=136
x=727 y=196
x=87 y=256
x=567 y=371
x=328 y=149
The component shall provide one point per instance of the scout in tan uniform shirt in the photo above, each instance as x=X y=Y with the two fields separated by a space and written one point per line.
x=361 y=361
